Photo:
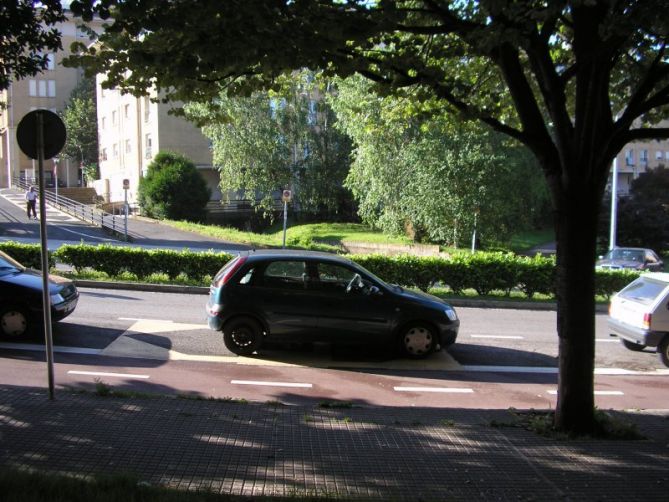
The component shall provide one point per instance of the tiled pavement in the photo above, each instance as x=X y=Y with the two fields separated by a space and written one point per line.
x=359 y=453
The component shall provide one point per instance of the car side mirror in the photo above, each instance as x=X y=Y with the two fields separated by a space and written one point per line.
x=374 y=290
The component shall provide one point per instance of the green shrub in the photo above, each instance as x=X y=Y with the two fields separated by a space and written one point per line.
x=28 y=255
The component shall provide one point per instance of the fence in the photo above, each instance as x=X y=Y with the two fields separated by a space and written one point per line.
x=84 y=212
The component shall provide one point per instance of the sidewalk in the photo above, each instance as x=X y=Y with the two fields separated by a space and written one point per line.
x=266 y=449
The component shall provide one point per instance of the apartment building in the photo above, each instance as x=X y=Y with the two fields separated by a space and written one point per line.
x=131 y=131
x=48 y=90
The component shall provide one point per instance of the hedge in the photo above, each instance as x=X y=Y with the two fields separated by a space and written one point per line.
x=483 y=272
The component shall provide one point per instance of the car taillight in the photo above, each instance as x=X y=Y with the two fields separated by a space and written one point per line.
x=646 y=320
x=225 y=277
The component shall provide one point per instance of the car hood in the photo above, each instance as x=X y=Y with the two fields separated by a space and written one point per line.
x=33 y=280
x=619 y=264
x=422 y=298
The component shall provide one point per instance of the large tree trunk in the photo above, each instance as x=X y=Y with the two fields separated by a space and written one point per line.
x=576 y=232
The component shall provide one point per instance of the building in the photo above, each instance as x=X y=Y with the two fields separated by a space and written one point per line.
x=131 y=131
x=48 y=90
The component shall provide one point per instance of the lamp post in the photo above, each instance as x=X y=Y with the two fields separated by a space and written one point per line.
x=614 y=203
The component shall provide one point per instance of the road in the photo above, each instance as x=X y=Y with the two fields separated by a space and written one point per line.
x=158 y=342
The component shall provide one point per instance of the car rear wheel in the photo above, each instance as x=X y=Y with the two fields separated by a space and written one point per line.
x=636 y=347
x=663 y=350
x=13 y=322
x=242 y=336
x=418 y=340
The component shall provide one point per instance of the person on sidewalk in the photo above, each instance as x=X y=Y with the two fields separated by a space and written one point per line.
x=31 y=200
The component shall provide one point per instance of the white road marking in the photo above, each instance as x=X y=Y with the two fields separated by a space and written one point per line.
x=500 y=337
x=115 y=375
x=271 y=384
x=447 y=390
x=597 y=392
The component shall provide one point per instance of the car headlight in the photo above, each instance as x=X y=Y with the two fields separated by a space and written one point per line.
x=56 y=299
x=450 y=313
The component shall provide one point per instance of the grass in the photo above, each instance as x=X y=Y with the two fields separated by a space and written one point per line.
x=21 y=486
x=525 y=241
x=317 y=236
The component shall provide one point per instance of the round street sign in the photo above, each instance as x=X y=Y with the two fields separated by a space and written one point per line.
x=53 y=133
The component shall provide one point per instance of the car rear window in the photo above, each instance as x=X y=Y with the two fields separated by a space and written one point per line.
x=643 y=290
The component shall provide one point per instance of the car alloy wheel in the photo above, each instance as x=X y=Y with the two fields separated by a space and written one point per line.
x=13 y=322
x=418 y=341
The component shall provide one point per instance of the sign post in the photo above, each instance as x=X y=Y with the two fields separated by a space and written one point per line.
x=286 y=197
x=41 y=135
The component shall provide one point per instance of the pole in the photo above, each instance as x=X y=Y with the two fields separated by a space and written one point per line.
x=285 y=221
x=614 y=204
x=125 y=210
x=46 y=297
x=55 y=172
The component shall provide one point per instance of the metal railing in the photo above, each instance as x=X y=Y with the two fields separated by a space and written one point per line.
x=88 y=213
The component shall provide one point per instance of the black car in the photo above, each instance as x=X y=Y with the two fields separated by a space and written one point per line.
x=318 y=297
x=631 y=258
x=21 y=297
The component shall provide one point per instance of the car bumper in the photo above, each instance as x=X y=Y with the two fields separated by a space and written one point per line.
x=633 y=334
x=448 y=333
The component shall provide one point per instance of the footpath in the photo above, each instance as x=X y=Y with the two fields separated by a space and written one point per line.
x=357 y=453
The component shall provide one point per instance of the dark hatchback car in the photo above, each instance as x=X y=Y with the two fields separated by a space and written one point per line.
x=302 y=296
x=632 y=259
x=21 y=297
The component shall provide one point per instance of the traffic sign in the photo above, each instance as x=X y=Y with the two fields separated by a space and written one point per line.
x=53 y=131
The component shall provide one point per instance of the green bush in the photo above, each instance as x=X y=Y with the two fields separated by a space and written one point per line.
x=28 y=255
x=173 y=189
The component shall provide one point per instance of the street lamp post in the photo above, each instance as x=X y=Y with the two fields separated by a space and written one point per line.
x=614 y=203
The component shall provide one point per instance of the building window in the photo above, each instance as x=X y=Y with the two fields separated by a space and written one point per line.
x=643 y=157
x=128 y=146
x=41 y=88
x=629 y=157
x=115 y=150
x=52 y=88
x=32 y=87
x=147 y=146
x=658 y=155
x=103 y=123
x=311 y=116
x=666 y=155
x=114 y=117
x=103 y=154
x=147 y=108
x=126 y=111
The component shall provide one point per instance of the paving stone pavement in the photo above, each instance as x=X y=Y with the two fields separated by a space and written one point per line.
x=267 y=449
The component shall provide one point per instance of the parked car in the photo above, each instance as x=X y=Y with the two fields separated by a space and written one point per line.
x=631 y=258
x=639 y=314
x=21 y=297
x=303 y=296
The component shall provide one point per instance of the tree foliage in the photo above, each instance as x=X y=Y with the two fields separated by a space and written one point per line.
x=422 y=171
x=80 y=119
x=279 y=140
x=173 y=189
x=573 y=80
x=28 y=34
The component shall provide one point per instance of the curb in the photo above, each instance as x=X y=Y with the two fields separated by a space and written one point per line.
x=204 y=290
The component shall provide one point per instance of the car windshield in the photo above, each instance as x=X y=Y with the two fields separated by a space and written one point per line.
x=622 y=254
x=8 y=265
x=643 y=290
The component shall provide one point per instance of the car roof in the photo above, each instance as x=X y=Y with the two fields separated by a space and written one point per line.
x=295 y=254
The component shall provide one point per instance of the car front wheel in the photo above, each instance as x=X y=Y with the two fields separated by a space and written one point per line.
x=13 y=322
x=663 y=350
x=418 y=340
x=242 y=336
x=636 y=347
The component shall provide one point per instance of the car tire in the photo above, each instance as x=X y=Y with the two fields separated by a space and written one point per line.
x=417 y=340
x=663 y=350
x=636 y=347
x=242 y=336
x=14 y=322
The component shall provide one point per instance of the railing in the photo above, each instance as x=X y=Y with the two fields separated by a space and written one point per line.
x=84 y=212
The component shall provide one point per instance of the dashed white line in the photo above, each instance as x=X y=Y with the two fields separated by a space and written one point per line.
x=500 y=337
x=446 y=390
x=272 y=384
x=104 y=374
x=597 y=392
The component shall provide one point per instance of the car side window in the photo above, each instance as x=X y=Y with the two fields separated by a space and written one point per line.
x=247 y=278
x=334 y=277
x=285 y=275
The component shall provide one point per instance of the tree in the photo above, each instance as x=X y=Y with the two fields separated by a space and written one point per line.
x=173 y=189
x=570 y=79
x=27 y=35
x=282 y=139
x=422 y=171
x=80 y=119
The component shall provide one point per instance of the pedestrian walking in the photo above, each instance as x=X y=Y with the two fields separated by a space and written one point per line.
x=31 y=200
